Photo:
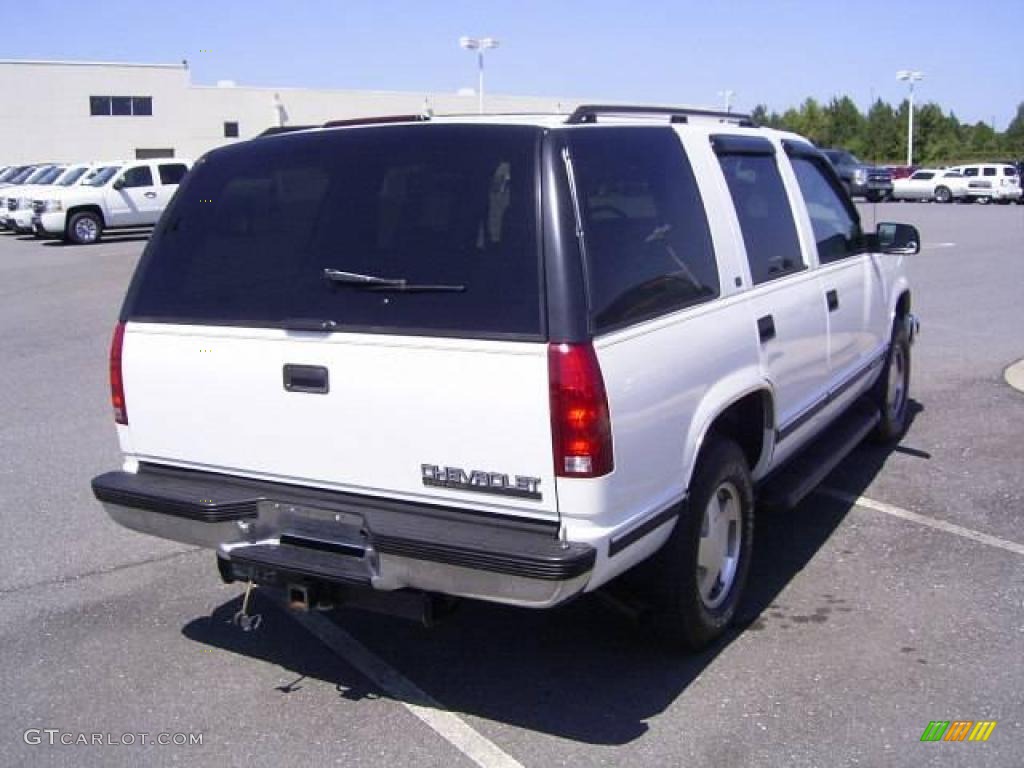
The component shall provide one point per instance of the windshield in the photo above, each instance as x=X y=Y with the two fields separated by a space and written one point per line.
x=101 y=176
x=50 y=176
x=70 y=177
x=22 y=176
x=253 y=228
x=36 y=175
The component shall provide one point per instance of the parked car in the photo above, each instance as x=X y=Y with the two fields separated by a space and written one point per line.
x=860 y=179
x=900 y=171
x=114 y=197
x=19 y=204
x=942 y=186
x=991 y=182
x=504 y=358
x=33 y=174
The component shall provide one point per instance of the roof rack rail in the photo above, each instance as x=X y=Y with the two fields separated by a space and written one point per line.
x=588 y=113
x=376 y=120
x=276 y=129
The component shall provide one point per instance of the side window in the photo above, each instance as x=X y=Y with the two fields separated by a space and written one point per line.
x=989 y=171
x=969 y=172
x=766 y=219
x=922 y=176
x=140 y=176
x=172 y=173
x=648 y=246
x=836 y=231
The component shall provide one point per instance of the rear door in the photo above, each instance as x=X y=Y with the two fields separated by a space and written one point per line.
x=244 y=355
x=170 y=176
x=786 y=293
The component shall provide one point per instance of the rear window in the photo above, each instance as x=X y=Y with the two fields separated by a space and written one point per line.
x=648 y=247
x=253 y=228
x=1009 y=170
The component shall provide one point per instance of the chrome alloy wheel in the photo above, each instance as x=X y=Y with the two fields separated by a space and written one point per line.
x=897 y=389
x=718 y=553
x=86 y=230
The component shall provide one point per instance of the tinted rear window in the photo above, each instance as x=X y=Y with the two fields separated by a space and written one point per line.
x=647 y=241
x=253 y=227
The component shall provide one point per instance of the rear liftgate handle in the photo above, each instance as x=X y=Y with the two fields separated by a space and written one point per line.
x=306 y=378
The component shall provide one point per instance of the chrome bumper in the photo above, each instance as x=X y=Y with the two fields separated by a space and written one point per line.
x=277 y=534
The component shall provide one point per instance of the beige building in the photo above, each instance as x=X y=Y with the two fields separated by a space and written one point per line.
x=67 y=111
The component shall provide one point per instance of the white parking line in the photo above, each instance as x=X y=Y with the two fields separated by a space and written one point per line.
x=448 y=725
x=931 y=522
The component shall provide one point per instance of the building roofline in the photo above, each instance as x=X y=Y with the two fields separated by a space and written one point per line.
x=60 y=63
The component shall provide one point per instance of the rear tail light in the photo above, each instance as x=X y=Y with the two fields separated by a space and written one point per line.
x=116 y=379
x=581 y=430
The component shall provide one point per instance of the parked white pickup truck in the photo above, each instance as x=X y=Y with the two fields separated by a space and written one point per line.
x=504 y=358
x=132 y=195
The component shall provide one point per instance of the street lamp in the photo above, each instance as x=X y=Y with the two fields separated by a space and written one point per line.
x=479 y=44
x=910 y=77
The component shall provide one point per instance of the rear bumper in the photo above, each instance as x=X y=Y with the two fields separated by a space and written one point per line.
x=272 y=532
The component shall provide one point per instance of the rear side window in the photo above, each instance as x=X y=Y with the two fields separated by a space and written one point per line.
x=254 y=226
x=836 y=231
x=1009 y=170
x=766 y=220
x=989 y=171
x=173 y=173
x=140 y=176
x=648 y=247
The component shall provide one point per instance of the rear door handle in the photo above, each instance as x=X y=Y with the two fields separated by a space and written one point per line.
x=766 y=328
x=306 y=378
x=832 y=298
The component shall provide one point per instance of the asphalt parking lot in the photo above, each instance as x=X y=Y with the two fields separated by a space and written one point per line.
x=893 y=598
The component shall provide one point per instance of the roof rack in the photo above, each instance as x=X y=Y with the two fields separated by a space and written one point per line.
x=376 y=120
x=274 y=130
x=588 y=113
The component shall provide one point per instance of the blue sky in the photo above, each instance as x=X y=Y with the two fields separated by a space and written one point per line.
x=775 y=52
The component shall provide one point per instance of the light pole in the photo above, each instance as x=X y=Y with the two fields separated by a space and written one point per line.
x=479 y=44
x=727 y=97
x=910 y=77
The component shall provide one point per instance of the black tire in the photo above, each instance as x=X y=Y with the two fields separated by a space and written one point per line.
x=983 y=200
x=875 y=197
x=684 y=616
x=84 y=228
x=943 y=195
x=892 y=390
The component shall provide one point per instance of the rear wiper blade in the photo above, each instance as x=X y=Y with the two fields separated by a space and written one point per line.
x=374 y=283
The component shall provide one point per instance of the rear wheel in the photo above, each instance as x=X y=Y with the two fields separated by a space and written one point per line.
x=701 y=571
x=943 y=195
x=85 y=228
x=984 y=200
x=892 y=391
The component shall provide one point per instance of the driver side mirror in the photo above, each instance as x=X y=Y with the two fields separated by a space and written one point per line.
x=902 y=239
x=119 y=184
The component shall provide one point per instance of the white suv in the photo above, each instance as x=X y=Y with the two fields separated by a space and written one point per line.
x=991 y=182
x=505 y=358
x=115 y=197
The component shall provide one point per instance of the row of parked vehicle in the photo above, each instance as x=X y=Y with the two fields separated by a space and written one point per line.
x=78 y=202
x=978 y=182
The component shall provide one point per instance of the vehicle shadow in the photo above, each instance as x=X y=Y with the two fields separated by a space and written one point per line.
x=126 y=236
x=586 y=671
